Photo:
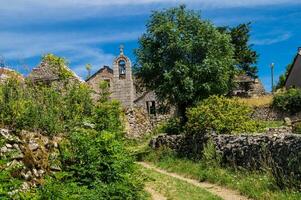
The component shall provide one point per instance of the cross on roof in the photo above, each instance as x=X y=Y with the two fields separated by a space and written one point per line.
x=121 y=47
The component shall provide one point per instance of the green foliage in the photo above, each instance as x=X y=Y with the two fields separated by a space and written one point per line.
x=254 y=184
x=94 y=161
x=288 y=101
x=98 y=160
x=183 y=58
x=209 y=155
x=244 y=56
x=172 y=126
x=282 y=77
x=57 y=65
x=108 y=116
x=223 y=115
x=43 y=108
x=297 y=128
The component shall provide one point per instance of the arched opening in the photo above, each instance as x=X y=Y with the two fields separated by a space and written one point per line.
x=122 y=69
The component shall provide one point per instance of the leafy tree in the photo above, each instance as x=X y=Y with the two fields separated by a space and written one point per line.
x=183 y=58
x=88 y=68
x=244 y=56
x=282 y=77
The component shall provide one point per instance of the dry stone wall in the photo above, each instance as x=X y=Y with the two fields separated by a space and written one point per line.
x=278 y=148
x=30 y=156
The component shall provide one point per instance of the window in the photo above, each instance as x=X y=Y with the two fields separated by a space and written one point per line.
x=121 y=65
x=108 y=82
x=151 y=107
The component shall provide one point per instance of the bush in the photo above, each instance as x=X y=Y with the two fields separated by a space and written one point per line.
x=172 y=126
x=43 y=108
x=288 y=101
x=98 y=159
x=223 y=115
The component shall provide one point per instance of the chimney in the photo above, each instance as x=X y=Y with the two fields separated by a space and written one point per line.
x=299 y=51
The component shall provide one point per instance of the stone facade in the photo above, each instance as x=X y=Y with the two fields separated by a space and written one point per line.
x=246 y=86
x=123 y=87
x=104 y=74
x=141 y=106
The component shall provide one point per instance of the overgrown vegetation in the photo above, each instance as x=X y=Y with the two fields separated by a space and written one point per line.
x=43 y=108
x=222 y=115
x=288 y=100
x=94 y=162
x=259 y=185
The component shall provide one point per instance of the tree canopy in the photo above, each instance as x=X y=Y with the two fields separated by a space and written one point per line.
x=183 y=58
x=245 y=57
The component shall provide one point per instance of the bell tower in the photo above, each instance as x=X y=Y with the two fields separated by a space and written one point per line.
x=123 y=86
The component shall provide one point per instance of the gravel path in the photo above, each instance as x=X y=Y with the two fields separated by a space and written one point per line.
x=225 y=193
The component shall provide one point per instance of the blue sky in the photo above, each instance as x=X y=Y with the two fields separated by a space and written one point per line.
x=91 y=31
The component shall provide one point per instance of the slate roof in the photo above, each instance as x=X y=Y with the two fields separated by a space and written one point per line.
x=99 y=71
x=294 y=65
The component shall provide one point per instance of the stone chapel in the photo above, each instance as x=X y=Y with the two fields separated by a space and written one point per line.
x=122 y=85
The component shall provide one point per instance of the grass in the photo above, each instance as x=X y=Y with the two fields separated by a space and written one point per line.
x=253 y=184
x=257 y=101
x=174 y=189
x=272 y=124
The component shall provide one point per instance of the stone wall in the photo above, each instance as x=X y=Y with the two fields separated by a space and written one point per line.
x=275 y=149
x=269 y=114
x=30 y=156
x=139 y=123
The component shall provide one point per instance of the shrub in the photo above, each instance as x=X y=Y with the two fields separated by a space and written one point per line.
x=223 y=115
x=108 y=116
x=43 y=108
x=98 y=159
x=297 y=128
x=172 y=126
x=288 y=101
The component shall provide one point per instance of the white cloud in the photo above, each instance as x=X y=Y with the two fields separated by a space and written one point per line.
x=272 y=39
x=26 y=10
x=76 y=47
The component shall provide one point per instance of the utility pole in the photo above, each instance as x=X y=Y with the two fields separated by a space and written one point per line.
x=272 y=76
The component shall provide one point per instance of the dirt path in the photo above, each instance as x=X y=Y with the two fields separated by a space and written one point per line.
x=155 y=195
x=222 y=192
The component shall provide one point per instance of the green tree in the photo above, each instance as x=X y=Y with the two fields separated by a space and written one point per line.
x=245 y=57
x=282 y=77
x=183 y=58
x=88 y=68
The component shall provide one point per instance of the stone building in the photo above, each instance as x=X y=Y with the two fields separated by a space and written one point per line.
x=122 y=85
x=6 y=73
x=44 y=73
x=293 y=78
x=246 y=86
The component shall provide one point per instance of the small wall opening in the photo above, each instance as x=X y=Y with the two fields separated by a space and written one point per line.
x=122 y=69
x=151 y=107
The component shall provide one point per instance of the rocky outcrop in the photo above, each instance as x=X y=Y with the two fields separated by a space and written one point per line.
x=28 y=156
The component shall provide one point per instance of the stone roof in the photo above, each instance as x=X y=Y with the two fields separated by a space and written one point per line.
x=243 y=78
x=100 y=71
x=8 y=73
x=43 y=72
